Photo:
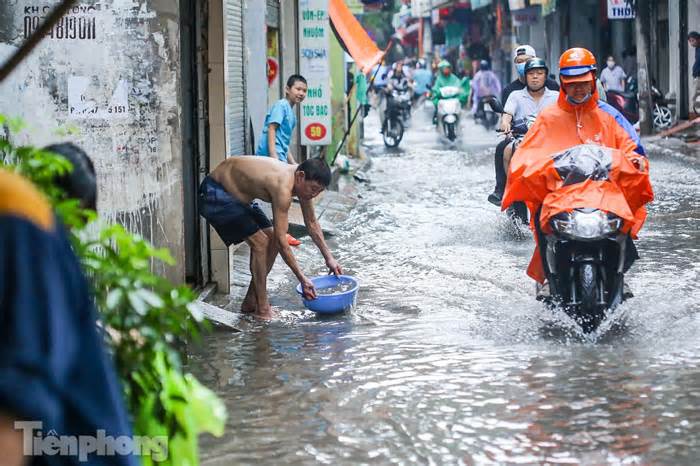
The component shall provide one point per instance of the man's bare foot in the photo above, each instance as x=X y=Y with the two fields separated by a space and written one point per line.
x=264 y=312
x=248 y=306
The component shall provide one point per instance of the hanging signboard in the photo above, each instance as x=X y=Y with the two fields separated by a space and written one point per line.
x=620 y=9
x=526 y=16
x=314 y=65
x=420 y=8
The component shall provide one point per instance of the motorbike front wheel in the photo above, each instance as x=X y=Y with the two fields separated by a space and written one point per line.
x=590 y=314
x=393 y=132
x=450 y=130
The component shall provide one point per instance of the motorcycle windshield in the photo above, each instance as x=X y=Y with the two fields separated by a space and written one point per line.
x=585 y=176
x=448 y=92
x=583 y=162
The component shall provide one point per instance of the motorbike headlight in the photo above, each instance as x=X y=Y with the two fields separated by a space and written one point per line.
x=587 y=225
x=450 y=118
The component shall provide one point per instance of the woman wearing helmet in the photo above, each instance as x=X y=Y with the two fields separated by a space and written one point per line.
x=444 y=78
x=575 y=119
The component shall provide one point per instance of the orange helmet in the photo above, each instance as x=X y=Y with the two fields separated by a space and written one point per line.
x=577 y=64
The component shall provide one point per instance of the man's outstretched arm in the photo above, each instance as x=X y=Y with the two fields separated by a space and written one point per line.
x=280 y=209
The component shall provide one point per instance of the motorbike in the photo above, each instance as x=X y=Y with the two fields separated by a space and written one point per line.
x=627 y=103
x=518 y=211
x=403 y=99
x=393 y=124
x=448 y=112
x=488 y=118
x=584 y=249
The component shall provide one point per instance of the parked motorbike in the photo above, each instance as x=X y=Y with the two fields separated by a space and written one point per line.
x=448 y=112
x=392 y=126
x=488 y=116
x=585 y=249
x=627 y=103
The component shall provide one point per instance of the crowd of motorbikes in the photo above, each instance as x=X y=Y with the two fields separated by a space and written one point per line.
x=585 y=249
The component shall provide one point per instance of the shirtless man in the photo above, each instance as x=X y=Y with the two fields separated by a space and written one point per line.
x=226 y=200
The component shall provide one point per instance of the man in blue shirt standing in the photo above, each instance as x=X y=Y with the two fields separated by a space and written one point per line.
x=280 y=122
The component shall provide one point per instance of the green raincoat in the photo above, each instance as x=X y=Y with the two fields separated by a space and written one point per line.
x=451 y=80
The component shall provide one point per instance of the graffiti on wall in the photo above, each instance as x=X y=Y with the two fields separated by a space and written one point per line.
x=108 y=68
x=79 y=23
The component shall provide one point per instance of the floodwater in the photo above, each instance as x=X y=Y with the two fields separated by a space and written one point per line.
x=448 y=359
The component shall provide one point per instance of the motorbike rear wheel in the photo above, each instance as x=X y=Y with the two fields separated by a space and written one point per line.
x=590 y=315
x=662 y=117
x=392 y=132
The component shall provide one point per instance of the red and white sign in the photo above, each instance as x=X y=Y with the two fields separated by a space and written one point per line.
x=315 y=131
x=526 y=16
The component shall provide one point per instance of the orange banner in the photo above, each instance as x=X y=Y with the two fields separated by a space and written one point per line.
x=358 y=44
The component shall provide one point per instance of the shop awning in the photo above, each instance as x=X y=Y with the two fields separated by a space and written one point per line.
x=353 y=37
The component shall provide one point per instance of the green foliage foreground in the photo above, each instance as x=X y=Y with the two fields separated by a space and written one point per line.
x=147 y=319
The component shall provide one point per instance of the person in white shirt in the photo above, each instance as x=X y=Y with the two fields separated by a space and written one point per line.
x=525 y=104
x=613 y=76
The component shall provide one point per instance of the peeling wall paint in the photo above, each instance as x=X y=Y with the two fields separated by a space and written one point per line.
x=111 y=69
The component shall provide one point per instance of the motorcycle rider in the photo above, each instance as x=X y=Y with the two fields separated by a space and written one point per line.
x=444 y=78
x=521 y=55
x=484 y=84
x=422 y=79
x=575 y=119
x=526 y=103
x=397 y=79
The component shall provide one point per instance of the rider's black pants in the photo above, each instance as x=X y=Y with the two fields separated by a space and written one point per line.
x=498 y=166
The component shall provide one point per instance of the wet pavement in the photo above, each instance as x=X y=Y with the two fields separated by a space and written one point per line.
x=448 y=359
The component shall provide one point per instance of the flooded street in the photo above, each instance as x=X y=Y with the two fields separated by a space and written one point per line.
x=448 y=358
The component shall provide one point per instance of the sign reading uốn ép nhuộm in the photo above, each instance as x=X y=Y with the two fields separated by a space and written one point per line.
x=314 y=65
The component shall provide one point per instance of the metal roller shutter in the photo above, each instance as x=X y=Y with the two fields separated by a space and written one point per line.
x=235 y=78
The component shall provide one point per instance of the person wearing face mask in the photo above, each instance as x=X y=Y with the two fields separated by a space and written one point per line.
x=527 y=103
x=613 y=76
x=521 y=55
x=576 y=118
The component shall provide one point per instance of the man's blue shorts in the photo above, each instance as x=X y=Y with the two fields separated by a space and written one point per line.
x=232 y=219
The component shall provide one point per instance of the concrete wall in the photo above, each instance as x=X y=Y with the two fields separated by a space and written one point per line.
x=111 y=70
x=219 y=253
x=289 y=54
x=693 y=25
x=338 y=108
x=256 y=64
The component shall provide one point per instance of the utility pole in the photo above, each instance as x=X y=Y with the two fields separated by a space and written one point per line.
x=642 y=29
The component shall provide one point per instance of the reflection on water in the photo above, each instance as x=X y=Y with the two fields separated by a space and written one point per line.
x=445 y=360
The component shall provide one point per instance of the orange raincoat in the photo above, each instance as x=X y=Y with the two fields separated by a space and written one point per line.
x=535 y=180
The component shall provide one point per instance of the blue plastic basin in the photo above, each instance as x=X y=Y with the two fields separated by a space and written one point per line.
x=334 y=303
